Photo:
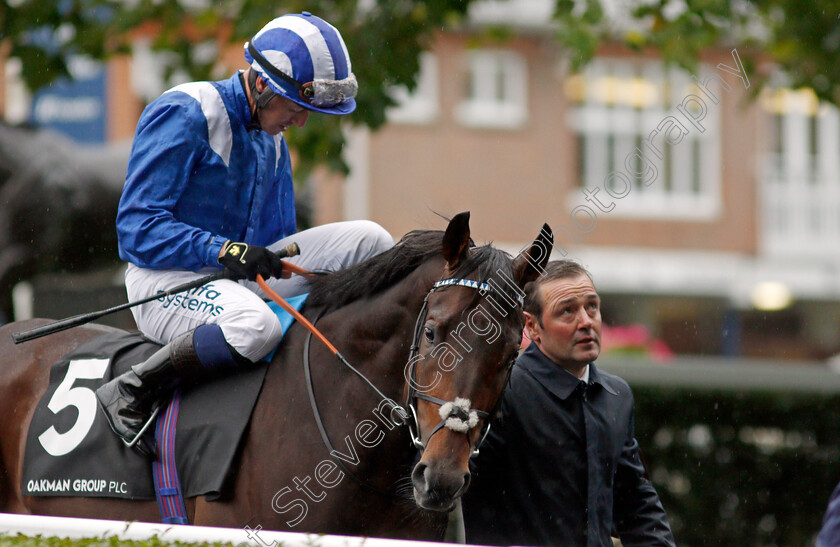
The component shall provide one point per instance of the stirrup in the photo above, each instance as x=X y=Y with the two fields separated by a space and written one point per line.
x=142 y=447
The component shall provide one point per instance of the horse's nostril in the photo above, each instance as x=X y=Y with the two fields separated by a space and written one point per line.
x=418 y=476
x=467 y=478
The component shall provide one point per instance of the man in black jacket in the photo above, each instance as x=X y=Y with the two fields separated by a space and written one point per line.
x=561 y=465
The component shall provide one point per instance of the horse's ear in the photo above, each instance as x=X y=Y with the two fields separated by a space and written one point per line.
x=531 y=262
x=456 y=240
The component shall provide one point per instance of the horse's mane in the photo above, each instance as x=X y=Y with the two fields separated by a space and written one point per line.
x=337 y=289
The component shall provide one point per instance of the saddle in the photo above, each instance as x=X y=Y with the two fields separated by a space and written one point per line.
x=71 y=450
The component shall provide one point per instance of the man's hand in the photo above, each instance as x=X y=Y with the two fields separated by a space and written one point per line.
x=246 y=261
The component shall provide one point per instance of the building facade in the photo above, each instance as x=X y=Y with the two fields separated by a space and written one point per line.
x=704 y=215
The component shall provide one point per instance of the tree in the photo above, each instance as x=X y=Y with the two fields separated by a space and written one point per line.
x=385 y=38
x=800 y=38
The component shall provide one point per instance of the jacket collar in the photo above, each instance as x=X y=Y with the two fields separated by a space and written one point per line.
x=555 y=378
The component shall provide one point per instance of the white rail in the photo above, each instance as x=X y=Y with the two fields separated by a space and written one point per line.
x=76 y=528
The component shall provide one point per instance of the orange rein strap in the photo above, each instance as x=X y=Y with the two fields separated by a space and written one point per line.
x=311 y=328
x=285 y=305
x=288 y=266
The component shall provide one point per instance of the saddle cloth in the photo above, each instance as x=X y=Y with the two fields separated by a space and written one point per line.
x=71 y=450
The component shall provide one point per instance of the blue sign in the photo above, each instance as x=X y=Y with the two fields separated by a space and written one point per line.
x=76 y=108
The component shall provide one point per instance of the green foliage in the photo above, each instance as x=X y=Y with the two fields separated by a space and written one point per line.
x=385 y=43
x=740 y=469
x=801 y=38
x=386 y=37
x=40 y=541
x=384 y=40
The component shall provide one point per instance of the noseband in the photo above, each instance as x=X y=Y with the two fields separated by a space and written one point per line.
x=455 y=415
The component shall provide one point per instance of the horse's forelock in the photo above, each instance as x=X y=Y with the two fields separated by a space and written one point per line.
x=487 y=264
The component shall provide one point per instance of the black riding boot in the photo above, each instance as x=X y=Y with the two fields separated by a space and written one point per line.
x=130 y=399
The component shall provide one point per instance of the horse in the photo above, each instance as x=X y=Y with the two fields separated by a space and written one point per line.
x=434 y=323
x=58 y=202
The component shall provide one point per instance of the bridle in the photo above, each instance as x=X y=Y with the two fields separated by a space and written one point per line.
x=455 y=415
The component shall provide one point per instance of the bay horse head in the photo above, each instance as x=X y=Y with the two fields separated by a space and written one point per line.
x=466 y=339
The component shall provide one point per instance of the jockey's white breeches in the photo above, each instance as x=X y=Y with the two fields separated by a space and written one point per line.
x=248 y=324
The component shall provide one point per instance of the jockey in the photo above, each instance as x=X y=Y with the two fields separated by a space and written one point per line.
x=208 y=186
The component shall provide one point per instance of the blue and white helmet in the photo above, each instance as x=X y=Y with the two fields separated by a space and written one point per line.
x=303 y=58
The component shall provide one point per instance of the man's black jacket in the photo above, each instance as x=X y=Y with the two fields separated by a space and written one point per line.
x=561 y=465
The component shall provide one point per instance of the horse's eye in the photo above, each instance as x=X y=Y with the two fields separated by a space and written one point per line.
x=429 y=333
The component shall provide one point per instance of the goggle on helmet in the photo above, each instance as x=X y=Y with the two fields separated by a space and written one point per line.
x=303 y=58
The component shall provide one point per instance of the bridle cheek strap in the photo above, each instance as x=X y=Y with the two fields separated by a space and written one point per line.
x=455 y=415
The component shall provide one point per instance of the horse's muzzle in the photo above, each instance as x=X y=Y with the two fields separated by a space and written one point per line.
x=436 y=489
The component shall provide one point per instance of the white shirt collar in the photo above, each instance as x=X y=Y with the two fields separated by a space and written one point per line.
x=585 y=376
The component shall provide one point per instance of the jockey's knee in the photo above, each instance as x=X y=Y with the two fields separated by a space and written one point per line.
x=373 y=238
x=254 y=332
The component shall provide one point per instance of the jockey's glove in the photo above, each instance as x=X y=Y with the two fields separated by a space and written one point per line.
x=246 y=261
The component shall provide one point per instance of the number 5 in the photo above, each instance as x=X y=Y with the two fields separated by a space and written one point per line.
x=59 y=444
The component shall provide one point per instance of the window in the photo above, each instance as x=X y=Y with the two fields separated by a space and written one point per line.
x=800 y=185
x=636 y=141
x=497 y=90
x=421 y=105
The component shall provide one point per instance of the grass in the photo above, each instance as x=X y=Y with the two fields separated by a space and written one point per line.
x=40 y=541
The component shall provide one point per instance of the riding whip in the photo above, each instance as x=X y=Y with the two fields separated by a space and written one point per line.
x=63 y=324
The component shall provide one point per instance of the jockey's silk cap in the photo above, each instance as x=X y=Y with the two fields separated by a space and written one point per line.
x=303 y=58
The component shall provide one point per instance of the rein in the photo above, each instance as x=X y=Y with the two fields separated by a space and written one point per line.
x=455 y=415
x=307 y=370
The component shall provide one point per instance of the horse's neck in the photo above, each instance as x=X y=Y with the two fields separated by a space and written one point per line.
x=376 y=332
x=374 y=335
